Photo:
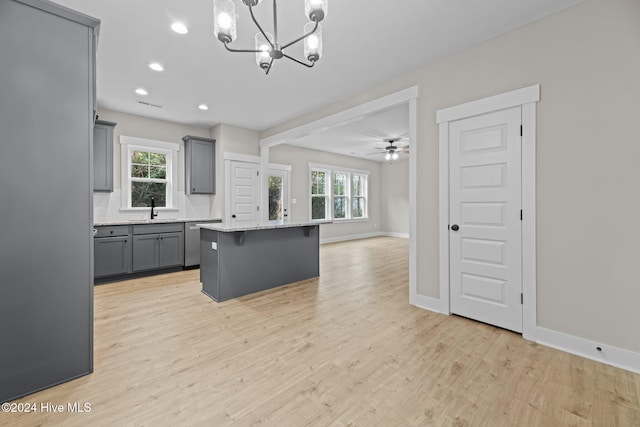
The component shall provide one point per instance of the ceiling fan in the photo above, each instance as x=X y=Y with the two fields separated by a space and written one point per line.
x=391 y=151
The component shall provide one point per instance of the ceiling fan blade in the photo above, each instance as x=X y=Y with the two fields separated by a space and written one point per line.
x=377 y=152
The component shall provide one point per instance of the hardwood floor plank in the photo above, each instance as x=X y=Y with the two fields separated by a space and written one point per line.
x=344 y=349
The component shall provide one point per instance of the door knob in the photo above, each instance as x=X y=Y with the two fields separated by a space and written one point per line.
x=455 y=227
x=233 y=216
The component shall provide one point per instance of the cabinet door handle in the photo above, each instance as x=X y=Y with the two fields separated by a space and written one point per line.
x=193 y=189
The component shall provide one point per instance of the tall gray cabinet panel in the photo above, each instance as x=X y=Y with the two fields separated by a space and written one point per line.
x=46 y=254
x=103 y=155
x=200 y=165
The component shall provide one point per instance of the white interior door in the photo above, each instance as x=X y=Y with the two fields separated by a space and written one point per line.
x=485 y=218
x=243 y=198
x=278 y=187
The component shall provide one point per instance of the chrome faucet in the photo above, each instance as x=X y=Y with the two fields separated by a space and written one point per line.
x=153 y=205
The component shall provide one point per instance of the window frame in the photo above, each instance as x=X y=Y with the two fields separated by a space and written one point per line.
x=330 y=207
x=327 y=194
x=130 y=144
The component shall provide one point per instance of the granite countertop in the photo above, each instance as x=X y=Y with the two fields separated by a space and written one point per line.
x=266 y=225
x=152 y=221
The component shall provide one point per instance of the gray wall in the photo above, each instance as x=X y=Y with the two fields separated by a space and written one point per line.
x=587 y=60
x=394 y=206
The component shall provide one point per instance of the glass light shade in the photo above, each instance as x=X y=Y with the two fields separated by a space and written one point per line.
x=313 y=43
x=316 y=10
x=387 y=156
x=262 y=44
x=224 y=20
x=394 y=156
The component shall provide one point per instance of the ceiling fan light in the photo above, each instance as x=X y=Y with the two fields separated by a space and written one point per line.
x=394 y=156
x=263 y=58
x=316 y=10
x=224 y=20
x=387 y=156
x=313 y=43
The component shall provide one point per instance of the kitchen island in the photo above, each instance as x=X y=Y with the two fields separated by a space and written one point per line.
x=240 y=259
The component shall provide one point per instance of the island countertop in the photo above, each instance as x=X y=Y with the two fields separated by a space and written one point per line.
x=265 y=225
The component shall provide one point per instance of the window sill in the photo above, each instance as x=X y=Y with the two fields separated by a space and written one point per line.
x=341 y=220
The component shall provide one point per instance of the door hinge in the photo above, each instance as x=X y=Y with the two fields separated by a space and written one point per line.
x=520 y=214
x=257 y=208
x=257 y=173
x=520 y=130
x=521 y=298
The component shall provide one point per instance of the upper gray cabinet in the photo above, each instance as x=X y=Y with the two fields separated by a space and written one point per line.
x=200 y=165
x=103 y=155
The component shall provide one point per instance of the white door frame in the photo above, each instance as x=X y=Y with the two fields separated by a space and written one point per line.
x=526 y=98
x=276 y=167
x=409 y=95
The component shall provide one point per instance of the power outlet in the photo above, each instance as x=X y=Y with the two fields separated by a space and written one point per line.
x=214 y=246
x=294 y=201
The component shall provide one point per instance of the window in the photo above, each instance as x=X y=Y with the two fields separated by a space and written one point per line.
x=359 y=198
x=338 y=193
x=319 y=193
x=148 y=172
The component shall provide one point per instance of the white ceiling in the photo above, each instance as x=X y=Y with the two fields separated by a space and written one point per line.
x=365 y=43
x=363 y=137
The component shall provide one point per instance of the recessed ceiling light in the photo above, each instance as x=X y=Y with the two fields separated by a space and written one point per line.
x=141 y=91
x=156 y=67
x=179 y=28
x=203 y=107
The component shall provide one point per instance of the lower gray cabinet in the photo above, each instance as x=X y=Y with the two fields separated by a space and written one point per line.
x=158 y=250
x=112 y=256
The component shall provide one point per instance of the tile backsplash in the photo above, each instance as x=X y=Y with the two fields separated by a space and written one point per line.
x=106 y=207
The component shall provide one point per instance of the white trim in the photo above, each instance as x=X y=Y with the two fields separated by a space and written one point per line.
x=279 y=167
x=349 y=237
x=527 y=98
x=334 y=168
x=151 y=143
x=528 y=194
x=514 y=98
x=393 y=234
x=443 y=222
x=610 y=355
x=425 y=302
x=339 y=118
x=413 y=198
x=248 y=158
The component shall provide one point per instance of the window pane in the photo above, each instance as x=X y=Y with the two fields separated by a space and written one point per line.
x=358 y=207
x=140 y=157
x=158 y=159
x=340 y=207
x=142 y=192
x=358 y=185
x=340 y=184
x=318 y=207
x=139 y=171
x=275 y=198
x=158 y=172
x=318 y=180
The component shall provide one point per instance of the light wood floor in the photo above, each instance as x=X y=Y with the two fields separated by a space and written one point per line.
x=344 y=349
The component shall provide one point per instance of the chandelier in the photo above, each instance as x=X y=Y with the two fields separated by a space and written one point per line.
x=267 y=46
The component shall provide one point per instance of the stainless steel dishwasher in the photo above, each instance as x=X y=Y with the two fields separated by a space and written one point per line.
x=192 y=242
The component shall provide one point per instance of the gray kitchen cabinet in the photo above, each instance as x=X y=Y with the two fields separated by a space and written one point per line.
x=103 y=155
x=112 y=256
x=200 y=165
x=46 y=256
x=157 y=246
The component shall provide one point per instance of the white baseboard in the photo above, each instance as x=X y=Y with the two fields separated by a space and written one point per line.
x=608 y=354
x=425 y=302
x=362 y=236
x=348 y=237
x=392 y=234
